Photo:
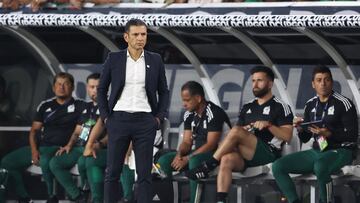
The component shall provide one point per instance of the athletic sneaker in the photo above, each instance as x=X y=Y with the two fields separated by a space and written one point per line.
x=200 y=172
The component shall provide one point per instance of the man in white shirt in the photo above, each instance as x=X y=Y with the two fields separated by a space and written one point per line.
x=137 y=105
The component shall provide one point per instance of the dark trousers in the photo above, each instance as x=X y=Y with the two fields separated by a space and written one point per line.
x=123 y=128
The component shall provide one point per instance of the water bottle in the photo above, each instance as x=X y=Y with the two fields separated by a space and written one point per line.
x=159 y=171
x=85 y=131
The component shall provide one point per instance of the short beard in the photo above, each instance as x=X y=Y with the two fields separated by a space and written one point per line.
x=260 y=93
x=64 y=97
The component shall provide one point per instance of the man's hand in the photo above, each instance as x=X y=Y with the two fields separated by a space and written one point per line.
x=95 y=148
x=90 y=149
x=66 y=149
x=296 y=123
x=320 y=131
x=247 y=127
x=35 y=157
x=158 y=121
x=179 y=162
x=261 y=125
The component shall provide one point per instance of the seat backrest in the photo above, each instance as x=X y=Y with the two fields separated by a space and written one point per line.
x=292 y=146
x=165 y=131
x=162 y=135
x=308 y=145
x=180 y=135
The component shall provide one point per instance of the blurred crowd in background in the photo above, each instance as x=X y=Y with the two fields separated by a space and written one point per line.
x=36 y=5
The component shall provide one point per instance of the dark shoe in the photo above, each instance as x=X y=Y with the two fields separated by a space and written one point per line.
x=25 y=200
x=82 y=198
x=201 y=172
x=52 y=199
x=86 y=193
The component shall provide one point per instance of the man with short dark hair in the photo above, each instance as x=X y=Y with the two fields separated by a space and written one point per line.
x=55 y=119
x=263 y=125
x=137 y=104
x=335 y=139
x=71 y=154
x=203 y=127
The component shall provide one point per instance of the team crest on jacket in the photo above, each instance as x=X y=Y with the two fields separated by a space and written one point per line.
x=71 y=108
x=266 y=110
x=331 y=110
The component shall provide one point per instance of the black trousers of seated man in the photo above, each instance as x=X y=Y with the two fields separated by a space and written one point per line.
x=123 y=128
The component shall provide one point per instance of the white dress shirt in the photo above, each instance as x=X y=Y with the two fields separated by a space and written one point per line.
x=133 y=97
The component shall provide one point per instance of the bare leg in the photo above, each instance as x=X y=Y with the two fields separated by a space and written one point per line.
x=238 y=138
x=238 y=141
x=229 y=162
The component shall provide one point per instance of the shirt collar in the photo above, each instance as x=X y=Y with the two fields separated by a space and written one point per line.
x=204 y=111
x=128 y=54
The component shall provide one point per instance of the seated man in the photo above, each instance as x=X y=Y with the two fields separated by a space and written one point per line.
x=55 y=119
x=334 y=143
x=203 y=125
x=71 y=154
x=263 y=125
